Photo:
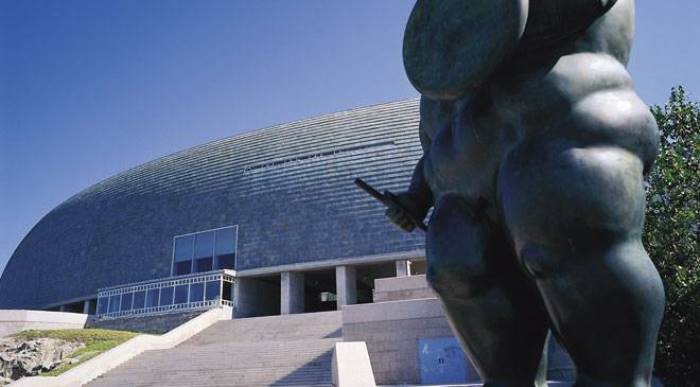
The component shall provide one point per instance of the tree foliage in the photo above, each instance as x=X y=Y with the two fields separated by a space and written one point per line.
x=672 y=237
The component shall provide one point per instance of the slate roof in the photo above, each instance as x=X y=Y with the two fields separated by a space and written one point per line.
x=289 y=188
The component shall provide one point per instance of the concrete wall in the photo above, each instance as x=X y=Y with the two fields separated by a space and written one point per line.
x=255 y=297
x=402 y=288
x=391 y=331
x=291 y=292
x=146 y=324
x=13 y=321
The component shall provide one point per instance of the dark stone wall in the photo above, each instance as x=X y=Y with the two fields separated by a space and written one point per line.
x=155 y=325
x=289 y=188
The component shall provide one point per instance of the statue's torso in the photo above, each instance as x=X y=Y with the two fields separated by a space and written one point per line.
x=579 y=95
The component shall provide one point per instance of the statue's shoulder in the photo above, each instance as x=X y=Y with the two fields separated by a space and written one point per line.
x=580 y=26
x=452 y=46
x=612 y=33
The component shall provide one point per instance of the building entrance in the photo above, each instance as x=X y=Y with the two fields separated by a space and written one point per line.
x=257 y=296
x=319 y=291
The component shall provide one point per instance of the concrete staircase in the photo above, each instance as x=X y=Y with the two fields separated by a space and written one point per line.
x=293 y=350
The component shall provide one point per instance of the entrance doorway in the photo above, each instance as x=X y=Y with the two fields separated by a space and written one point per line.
x=319 y=291
x=257 y=296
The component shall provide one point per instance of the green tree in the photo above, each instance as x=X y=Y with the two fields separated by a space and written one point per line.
x=672 y=237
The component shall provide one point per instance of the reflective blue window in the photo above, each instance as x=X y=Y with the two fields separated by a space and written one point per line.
x=151 y=298
x=197 y=292
x=102 y=303
x=184 y=249
x=126 y=302
x=204 y=251
x=225 y=250
x=114 y=303
x=166 y=296
x=139 y=300
x=181 y=294
x=212 y=290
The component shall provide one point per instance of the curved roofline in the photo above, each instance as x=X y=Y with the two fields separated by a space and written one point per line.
x=239 y=135
x=277 y=125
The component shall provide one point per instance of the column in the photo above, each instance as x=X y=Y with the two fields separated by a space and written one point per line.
x=291 y=292
x=86 y=307
x=403 y=268
x=345 y=285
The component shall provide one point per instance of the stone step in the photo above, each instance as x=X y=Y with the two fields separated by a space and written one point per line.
x=241 y=336
x=272 y=345
x=290 y=327
x=283 y=376
x=293 y=350
x=211 y=362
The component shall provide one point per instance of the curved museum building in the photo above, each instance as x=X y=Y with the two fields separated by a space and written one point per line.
x=268 y=222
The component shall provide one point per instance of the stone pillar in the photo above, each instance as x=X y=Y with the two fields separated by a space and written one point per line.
x=345 y=285
x=291 y=292
x=403 y=268
x=86 y=307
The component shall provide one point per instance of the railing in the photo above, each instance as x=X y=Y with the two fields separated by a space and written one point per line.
x=190 y=292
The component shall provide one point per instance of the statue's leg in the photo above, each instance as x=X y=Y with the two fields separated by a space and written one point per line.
x=494 y=309
x=575 y=215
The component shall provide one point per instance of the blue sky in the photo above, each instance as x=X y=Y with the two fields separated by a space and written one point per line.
x=92 y=87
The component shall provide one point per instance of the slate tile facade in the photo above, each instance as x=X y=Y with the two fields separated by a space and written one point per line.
x=289 y=188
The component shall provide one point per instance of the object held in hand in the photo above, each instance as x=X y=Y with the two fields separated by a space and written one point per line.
x=389 y=200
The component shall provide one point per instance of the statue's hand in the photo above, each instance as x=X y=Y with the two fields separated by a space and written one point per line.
x=409 y=207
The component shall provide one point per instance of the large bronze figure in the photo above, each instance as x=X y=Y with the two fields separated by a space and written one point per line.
x=535 y=147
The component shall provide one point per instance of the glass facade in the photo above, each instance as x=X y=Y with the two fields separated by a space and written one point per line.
x=184 y=248
x=102 y=304
x=198 y=278
x=139 y=300
x=152 y=298
x=212 y=290
x=166 y=296
x=194 y=291
x=181 y=294
x=225 y=248
x=205 y=251
x=197 y=292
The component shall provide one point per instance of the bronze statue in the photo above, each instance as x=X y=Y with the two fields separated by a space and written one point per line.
x=535 y=147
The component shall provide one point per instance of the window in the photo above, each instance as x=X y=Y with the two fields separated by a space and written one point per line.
x=205 y=251
x=126 y=302
x=139 y=300
x=102 y=304
x=227 y=292
x=152 y=298
x=226 y=248
x=184 y=246
x=181 y=294
x=166 y=296
x=197 y=292
x=212 y=289
x=114 y=302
